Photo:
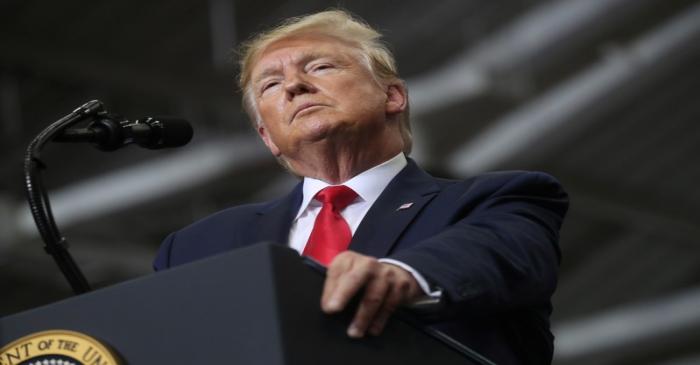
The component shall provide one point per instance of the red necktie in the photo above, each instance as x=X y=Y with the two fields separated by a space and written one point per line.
x=331 y=233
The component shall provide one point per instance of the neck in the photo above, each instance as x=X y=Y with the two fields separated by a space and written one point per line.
x=336 y=163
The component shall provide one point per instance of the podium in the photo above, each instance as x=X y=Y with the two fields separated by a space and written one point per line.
x=258 y=305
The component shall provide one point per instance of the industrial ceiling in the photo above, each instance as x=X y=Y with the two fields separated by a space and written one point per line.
x=602 y=94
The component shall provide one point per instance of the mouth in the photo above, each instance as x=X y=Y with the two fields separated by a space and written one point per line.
x=305 y=108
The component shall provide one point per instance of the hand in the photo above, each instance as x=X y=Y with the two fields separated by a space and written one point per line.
x=386 y=287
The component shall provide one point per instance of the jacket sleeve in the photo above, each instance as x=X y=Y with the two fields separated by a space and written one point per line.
x=162 y=260
x=501 y=253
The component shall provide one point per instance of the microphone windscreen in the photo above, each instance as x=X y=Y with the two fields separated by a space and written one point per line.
x=171 y=132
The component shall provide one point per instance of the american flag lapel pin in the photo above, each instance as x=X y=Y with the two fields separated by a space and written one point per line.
x=404 y=206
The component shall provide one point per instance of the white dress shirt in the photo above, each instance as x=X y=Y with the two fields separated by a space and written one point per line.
x=368 y=185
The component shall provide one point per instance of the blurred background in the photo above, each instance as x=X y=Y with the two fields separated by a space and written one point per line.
x=602 y=94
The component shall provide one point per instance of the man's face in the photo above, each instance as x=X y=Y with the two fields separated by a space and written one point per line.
x=313 y=88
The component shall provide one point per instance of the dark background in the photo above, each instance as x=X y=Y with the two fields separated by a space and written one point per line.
x=603 y=94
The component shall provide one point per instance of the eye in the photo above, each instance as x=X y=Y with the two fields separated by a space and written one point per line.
x=268 y=85
x=321 y=67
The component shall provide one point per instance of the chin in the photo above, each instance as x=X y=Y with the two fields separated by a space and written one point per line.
x=319 y=129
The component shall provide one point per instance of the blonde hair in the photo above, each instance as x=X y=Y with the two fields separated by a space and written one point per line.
x=334 y=23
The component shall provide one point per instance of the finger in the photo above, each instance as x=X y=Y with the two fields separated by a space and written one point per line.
x=346 y=285
x=372 y=300
x=396 y=296
x=338 y=267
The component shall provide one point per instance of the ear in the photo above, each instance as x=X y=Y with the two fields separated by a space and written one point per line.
x=396 y=98
x=262 y=132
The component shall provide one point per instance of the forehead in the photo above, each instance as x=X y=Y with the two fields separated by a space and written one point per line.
x=301 y=47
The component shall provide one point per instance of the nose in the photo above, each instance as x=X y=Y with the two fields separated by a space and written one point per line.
x=297 y=85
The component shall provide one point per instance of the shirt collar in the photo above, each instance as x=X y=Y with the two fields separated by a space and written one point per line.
x=368 y=185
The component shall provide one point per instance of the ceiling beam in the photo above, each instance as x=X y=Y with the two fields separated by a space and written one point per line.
x=139 y=184
x=89 y=70
x=634 y=210
x=634 y=329
x=579 y=101
x=554 y=26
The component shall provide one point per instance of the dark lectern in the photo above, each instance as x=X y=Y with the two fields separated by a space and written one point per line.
x=258 y=305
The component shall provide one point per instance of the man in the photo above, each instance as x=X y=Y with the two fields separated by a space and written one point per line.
x=326 y=99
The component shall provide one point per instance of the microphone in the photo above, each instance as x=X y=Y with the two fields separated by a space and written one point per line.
x=109 y=134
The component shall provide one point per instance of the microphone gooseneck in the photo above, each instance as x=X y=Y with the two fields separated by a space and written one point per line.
x=108 y=133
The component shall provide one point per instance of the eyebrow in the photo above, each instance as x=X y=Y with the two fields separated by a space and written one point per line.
x=267 y=72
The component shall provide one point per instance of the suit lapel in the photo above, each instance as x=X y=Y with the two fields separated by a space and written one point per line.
x=276 y=219
x=396 y=207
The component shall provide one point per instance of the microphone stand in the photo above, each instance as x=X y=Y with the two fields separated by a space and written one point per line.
x=37 y=197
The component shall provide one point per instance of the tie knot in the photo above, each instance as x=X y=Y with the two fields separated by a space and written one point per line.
x=338 y=197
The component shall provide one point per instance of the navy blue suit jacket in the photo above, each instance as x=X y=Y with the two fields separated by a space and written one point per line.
x=489 y=242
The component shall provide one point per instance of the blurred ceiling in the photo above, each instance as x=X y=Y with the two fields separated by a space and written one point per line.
x=602 y=94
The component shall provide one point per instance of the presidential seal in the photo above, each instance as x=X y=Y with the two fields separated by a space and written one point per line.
x=57 y=347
